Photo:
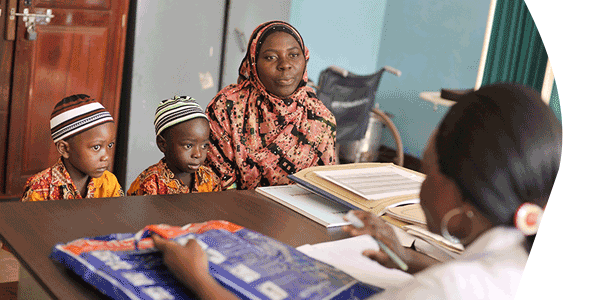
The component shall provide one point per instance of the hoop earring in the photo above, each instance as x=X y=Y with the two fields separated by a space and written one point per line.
x=449 y=215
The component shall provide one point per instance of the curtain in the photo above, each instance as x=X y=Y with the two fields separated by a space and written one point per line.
x=554 y=102
x=516 y=52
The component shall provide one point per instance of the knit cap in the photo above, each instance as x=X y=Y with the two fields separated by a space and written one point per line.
x=176 y=110
x=75 y=114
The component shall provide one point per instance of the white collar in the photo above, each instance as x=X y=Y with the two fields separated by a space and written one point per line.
x=494 y=240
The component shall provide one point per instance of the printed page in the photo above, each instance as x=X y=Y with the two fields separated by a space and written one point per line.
x=375 y=183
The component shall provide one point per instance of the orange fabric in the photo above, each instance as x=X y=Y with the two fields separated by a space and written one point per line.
x=55 y=183
x=158 y=179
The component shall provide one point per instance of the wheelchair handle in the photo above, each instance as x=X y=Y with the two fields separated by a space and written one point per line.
x=344 y=73
x=341 y=71
x=393 y=70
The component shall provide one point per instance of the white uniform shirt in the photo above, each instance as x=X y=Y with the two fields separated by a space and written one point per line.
x=490 y=268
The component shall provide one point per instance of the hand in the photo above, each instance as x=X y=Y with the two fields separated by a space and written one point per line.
x=188 y=263
x=380 y=230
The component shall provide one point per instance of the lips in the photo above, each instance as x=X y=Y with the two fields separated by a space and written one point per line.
x=285 y=81
x=194 y=167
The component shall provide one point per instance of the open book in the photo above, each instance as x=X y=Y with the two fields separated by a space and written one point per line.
x=373 y=187
x=395 y=198
x=325 y=212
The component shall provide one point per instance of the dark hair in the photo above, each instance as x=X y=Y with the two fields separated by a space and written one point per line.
x=501 y=145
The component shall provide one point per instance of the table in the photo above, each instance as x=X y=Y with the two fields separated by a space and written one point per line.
x=31 y=229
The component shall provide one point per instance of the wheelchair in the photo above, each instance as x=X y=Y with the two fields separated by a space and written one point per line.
x=351 y=99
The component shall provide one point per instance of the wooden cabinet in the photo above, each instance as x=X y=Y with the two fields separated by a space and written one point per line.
x=80 y=50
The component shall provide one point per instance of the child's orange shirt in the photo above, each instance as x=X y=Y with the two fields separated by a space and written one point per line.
x=158 y=179
x=55 y=183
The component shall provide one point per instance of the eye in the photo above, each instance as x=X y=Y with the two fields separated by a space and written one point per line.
x=270 y=57
x=96 y=147
x=111 y=145
x=205 y=146
x=294 y=55
x=188 y=146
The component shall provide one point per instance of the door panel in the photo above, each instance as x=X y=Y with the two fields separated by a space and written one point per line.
x=85 y=4
x=79 y=51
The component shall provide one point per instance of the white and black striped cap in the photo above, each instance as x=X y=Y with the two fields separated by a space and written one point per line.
x=176 y=110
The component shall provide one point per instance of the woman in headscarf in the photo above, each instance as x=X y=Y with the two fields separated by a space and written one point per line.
x=269 y=124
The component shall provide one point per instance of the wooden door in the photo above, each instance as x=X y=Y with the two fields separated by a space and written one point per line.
x=80 y=50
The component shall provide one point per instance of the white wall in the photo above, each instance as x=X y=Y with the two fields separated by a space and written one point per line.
x=174 y=42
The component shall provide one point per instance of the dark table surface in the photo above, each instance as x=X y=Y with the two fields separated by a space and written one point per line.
x=31 y=229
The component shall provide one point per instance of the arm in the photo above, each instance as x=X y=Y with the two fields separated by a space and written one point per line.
x=189 y=264
x=35 y=191
x=220 y=156
x=382 y=231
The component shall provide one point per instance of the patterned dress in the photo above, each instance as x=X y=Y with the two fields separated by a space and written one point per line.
x=257 y=138
x=158 y=179
x=55 y=183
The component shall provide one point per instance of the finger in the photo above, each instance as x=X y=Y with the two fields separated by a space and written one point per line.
x=192 y=244
x=353 y=231
x=159 y=242
x=378 y=256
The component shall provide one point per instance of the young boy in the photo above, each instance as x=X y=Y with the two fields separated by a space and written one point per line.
x=84 y=134
x=182 y=134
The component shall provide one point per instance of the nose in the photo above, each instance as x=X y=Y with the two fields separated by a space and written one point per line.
x=197 y=152
x=284 y=64
x=105 y=156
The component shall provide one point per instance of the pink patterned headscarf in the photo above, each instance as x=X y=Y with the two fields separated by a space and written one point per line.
x=257 y=138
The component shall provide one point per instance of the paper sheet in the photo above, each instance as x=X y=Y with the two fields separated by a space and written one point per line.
x=346 y=255
x=375 y=183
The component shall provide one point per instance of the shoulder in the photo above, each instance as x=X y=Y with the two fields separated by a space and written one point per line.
x=40 y=181
x=151 y=172
x=42 y=178
x=148 y=181
x=108 y=181
x=38 y=186
x=232 y=92
x=315 y=106
x=207 y=171
x=210 y=178
x=494 y=270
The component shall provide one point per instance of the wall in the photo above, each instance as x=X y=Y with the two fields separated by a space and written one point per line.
x=173 y=43
x=436 y=44
x=246 y=15
x=342 y=33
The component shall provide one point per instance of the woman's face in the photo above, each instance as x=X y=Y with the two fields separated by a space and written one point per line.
x=280 y=64
x=438 y=193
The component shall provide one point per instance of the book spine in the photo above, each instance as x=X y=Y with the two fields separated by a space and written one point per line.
x=321 y=192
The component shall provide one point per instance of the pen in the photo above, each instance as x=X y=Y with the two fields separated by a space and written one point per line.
x=356 y=222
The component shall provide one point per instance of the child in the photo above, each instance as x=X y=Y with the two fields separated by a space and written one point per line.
x=182 y=134
x=84 y=134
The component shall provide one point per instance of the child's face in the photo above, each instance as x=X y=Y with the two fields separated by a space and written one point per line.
x=185 y=145
x=91 y=152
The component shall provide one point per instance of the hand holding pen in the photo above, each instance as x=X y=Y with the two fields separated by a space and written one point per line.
x=379 y=230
